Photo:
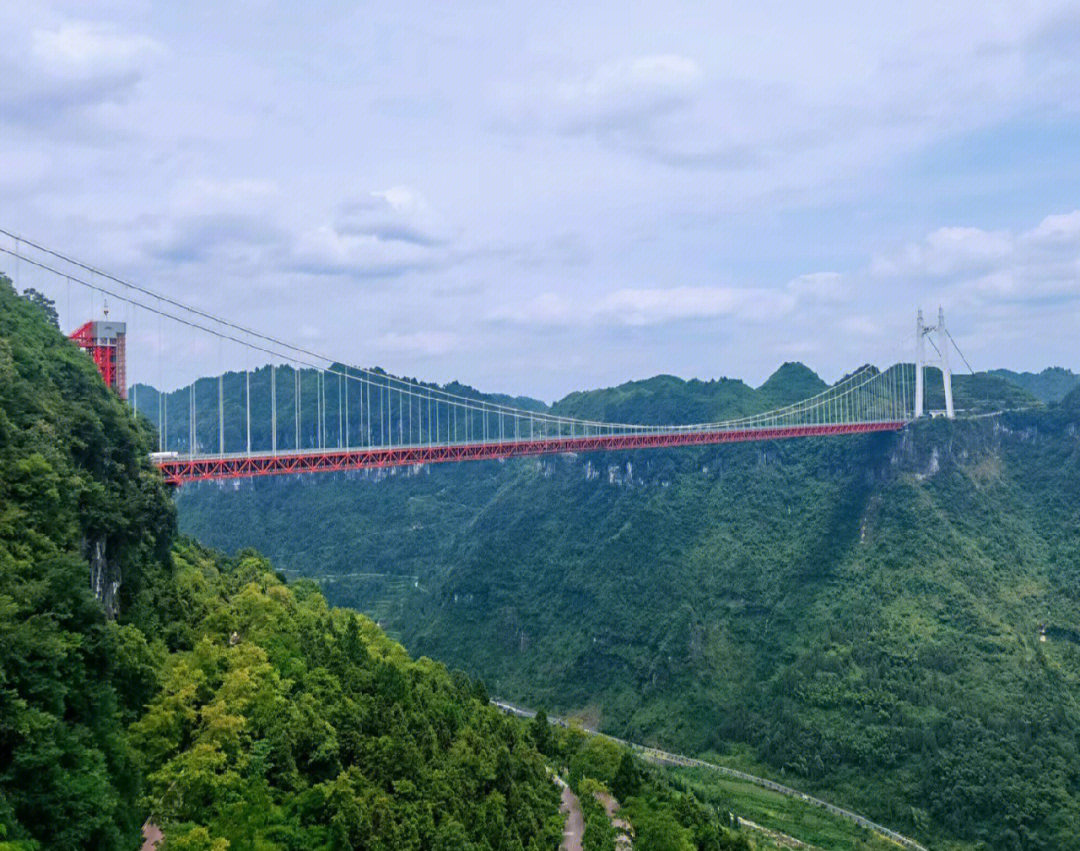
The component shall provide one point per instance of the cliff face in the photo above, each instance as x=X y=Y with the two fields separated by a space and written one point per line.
x=85 y=531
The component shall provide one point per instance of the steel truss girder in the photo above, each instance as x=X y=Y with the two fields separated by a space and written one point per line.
x=177 y=471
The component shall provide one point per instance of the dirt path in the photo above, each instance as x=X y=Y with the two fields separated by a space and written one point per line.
x=624 y=831
x=575 y=820
x=152 y=835
x=665 y=758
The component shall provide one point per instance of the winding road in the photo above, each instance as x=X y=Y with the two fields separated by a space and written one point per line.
x=574 y=829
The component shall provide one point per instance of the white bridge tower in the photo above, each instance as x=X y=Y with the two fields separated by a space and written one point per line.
x=922 y=331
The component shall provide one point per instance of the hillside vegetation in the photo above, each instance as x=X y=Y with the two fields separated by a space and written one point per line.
x=145 y=677
x=75 y=491
x=281 y=723
x=234 y=711
x=1051 y=385
x=861 y=617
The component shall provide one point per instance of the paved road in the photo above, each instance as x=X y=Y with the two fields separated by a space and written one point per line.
x=575 y=820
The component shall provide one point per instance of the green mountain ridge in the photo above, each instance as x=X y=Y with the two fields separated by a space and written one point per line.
x=1050 y=385
x=662 y=399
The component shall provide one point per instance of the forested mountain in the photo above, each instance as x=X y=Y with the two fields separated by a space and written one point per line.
x=201 y=691
x=1050 y=385
x=312 y=406
x=145 y=677
x=76 y=492
x=320 y=407
x=891 y=620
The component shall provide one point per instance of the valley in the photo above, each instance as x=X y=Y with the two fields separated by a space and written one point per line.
x=886 y=622
x=860 y=617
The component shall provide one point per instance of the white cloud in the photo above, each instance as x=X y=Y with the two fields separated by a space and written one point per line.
x=233 y=196
x=422 y=343
x=83 y=51
x=607 y=100
x=813 y=100
x=643 y=307
x=818 y=286
x=1055 y=231
x=948 y=251
x=623 y=93
x=384 y=233
x=864 y=326
x=398 y=214
x=226 y=222
x=72 y=64
x=660 y=306
x=325 y=250
x=247 y=243
x=245 y=223
x=974 y=265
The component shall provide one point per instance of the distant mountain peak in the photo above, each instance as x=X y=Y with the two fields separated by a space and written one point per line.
x=791 y=371
x=792 y=382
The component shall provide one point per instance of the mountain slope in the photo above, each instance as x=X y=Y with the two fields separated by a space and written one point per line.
x=1050 y=385
x=198 y=690
x=857 y=615
x=281 y=723
x=77 y=496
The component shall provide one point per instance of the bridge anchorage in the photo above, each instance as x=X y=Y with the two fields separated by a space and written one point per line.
x=305 y=413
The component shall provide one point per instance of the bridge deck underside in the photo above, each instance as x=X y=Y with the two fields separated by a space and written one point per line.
x=205 y=468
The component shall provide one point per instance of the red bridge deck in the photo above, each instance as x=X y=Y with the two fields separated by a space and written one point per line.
x=180 y=470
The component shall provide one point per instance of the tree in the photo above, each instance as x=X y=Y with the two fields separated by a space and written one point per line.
x=540 y=732
x=44 y=304
x=627 y=780
x=310 y=728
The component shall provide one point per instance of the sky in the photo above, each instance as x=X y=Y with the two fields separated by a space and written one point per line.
x=544 y=197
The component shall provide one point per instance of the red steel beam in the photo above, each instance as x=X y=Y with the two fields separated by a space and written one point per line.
x=177 y=471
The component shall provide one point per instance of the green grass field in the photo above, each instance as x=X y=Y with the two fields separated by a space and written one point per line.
x=798 y=819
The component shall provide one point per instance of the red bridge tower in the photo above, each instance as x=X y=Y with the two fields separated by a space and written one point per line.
x=106 y=343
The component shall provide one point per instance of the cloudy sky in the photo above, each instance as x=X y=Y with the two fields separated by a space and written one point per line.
x=541 y=197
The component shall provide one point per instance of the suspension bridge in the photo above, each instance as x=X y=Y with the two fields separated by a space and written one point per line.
x=302 y=412
x=421 y=426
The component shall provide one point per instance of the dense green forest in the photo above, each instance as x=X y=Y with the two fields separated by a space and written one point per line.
x=1051 y=385
x=233 y=710
x=145 y=677
x=280 y=723
x=892 y=621
x=75 y=493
